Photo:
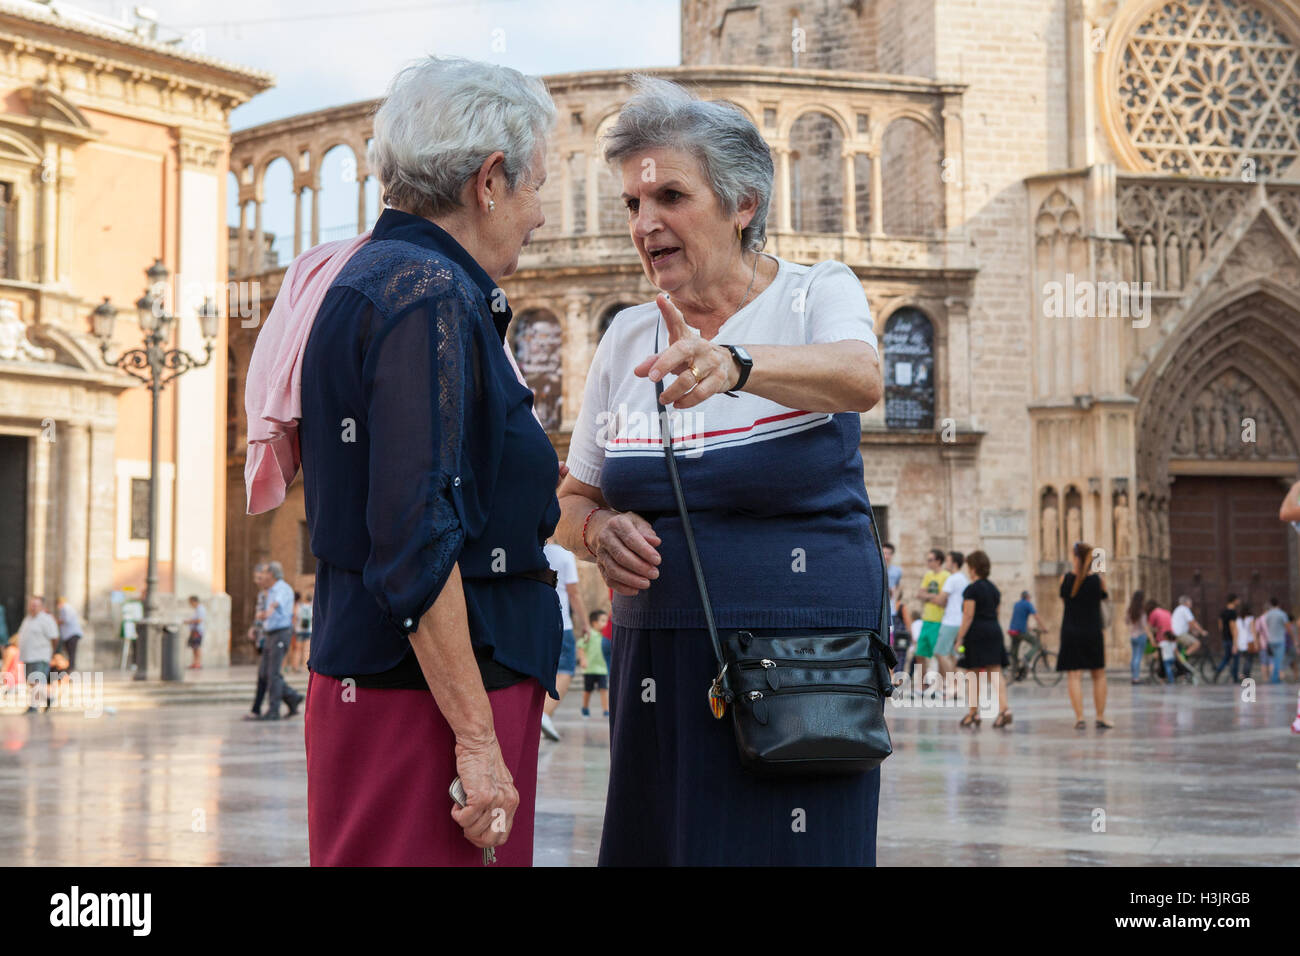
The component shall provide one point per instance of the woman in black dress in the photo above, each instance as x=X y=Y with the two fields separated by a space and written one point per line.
x=1082 y=646
x=980 y=637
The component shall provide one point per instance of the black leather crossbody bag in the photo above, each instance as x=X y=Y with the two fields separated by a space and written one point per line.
x=800 y=704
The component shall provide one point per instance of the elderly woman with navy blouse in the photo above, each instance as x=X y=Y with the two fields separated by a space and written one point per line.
x=767 y=364
x=430 y=489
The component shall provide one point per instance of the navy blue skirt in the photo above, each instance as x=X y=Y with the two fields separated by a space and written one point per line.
x=677 y=793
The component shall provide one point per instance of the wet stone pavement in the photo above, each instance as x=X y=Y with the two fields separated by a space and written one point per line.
x=1189 y=776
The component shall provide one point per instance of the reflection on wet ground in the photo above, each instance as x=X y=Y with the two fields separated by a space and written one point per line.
x=1189 y=776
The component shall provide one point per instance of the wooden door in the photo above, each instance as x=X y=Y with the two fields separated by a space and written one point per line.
x=1224 y=537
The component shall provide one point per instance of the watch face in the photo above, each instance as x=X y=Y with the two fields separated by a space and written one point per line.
x=742 y=354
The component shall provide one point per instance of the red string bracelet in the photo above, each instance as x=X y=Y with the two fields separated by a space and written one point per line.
x=584 y=530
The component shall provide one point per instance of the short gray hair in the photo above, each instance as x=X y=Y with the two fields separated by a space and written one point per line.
x=729 y=148
x=442 y=117
x=276 y=570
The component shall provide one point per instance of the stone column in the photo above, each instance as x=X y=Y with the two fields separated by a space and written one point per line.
x=783 y=187
x=66 y=217
x=850 y=226
x=956 y=365
x=257 y=262
x=566 y=195
x=241 y=241
x=100 y=646
x=954 y=206
x=315 y=213
x=49 y=212
x=593 y=194
x=877 y=196
x=38 y=546
x=574 y=359
x=297 y=222
x=361 y=203
x=74 y=446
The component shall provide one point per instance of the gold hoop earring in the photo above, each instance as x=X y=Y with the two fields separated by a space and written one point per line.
x=739 y=236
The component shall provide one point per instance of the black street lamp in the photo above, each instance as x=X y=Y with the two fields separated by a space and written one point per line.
x=155 y=365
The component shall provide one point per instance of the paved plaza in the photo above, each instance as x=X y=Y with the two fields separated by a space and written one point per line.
x=1189 y=776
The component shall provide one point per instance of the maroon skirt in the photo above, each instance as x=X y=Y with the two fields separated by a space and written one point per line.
x=379 y=763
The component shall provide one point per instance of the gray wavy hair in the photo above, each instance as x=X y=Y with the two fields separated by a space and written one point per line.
x=442 y=117
x=731 y=151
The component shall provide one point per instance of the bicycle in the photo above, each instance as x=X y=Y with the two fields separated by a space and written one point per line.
x=1039 y=662
x=1205 y=665
x=1183 y=670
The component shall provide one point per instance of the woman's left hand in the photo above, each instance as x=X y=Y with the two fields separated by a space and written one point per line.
x=702 y=368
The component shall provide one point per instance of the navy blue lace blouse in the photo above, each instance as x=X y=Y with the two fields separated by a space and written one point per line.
x=420 y=451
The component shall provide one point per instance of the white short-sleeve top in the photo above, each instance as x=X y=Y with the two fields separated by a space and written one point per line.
x=781 y=486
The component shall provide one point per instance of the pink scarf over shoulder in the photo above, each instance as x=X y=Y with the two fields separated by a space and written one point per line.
x=273 y=392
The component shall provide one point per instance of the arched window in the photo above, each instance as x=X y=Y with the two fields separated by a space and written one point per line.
x=816 y=174
x=912 y=174
x=909 y=370
x=537 y=347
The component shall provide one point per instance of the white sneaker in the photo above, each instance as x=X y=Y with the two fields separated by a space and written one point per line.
x=548 y=728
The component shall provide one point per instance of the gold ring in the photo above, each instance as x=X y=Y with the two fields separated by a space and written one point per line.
x=696 y=373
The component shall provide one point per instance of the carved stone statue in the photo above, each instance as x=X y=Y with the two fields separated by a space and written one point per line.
x=1073 y=526
x=1162 y=530
x=1120 y=514
x=1051 y=543
x=14 y=346
x=1202 y=427
x=1183 y=438
x=1219 y=432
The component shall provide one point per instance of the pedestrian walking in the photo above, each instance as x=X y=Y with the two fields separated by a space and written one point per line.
x=69 y=630
x=1135 y=619
x=979 y=641
x=277 y=623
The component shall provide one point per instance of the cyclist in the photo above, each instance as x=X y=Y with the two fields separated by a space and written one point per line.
x=1021 y=628
x=1187 y=631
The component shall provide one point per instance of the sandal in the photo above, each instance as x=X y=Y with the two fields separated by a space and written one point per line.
x=1004 y=719
x=1104 y=724
x=1081 y=725
x=971 y=720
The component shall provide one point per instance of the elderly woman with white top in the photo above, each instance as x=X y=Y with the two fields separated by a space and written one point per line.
x=767 y=364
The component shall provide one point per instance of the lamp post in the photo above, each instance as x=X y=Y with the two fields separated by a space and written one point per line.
x=155 y=365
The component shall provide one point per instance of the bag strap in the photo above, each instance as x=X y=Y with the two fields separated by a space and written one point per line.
x=667 y=441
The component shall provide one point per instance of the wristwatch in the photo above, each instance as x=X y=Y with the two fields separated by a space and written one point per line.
x=746 y=366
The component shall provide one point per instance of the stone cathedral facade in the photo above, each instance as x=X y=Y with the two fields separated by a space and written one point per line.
x=1077 y=223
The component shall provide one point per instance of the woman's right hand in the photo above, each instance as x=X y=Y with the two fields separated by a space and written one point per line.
x=490 y=795
x=625 y=546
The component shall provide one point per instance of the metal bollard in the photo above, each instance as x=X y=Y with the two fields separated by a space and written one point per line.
x=171 y=668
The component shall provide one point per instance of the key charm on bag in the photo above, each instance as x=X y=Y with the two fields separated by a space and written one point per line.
x=717 y=696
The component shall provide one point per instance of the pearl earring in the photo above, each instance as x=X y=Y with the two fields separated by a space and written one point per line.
x=492 y=204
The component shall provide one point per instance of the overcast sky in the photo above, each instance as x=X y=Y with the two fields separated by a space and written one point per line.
x=327 y=52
